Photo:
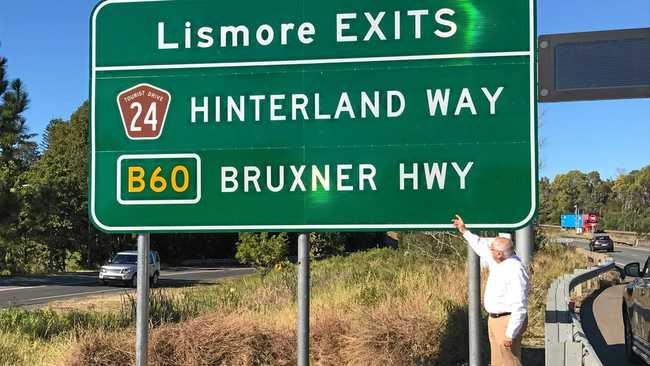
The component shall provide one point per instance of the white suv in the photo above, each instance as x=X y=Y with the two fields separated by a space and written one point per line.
x=123 y=267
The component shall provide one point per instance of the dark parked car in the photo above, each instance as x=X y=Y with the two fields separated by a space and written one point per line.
x=636 y=312
x=601 y=242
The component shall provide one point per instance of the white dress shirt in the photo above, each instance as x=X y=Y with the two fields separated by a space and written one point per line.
x=507 y=285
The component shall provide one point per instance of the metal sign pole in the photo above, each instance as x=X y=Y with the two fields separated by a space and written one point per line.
x=142 y=301
x=525 y=237
x=474 y=307
x=303 y=299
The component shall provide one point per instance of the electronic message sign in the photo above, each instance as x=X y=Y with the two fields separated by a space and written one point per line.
x=610 y=64
x=299 y=115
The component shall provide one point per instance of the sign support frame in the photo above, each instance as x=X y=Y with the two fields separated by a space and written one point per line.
x=474 y=306
x=303 y=299
x=142 y=301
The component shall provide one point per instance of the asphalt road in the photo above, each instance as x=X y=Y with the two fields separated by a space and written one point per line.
x=602 y=322
x=622 y=254
x=22 y=291
x=601 y=315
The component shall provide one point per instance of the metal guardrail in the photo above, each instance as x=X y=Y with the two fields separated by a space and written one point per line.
x=607 y=231
x=564 y=338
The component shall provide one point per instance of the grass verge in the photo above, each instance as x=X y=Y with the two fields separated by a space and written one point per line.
x=381 y=307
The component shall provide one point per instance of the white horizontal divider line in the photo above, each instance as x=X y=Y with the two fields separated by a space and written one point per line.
x=17 y=288
x=74 y=294
x=313 y=61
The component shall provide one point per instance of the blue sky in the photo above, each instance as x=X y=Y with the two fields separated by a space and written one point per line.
x=46 y=43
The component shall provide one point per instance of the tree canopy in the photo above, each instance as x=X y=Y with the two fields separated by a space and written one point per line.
x=623 y=203
x=15 y=139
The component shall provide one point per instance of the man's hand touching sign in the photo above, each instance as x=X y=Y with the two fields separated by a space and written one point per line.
x=459 y=224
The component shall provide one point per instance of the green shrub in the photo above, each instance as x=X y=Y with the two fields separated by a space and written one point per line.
x=324 y=245
x=22 y=256
x=72 y=261
x=262 y=250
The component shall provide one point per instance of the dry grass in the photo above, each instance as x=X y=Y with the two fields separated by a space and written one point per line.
x=375 y=308
x=17 y=349
x=549 y=263
x=101 y=349
x=381 y=307
x=107 y=302
x=113 y=301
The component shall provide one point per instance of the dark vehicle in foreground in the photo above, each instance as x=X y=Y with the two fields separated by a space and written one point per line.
x=601 y=242
x=636 y=312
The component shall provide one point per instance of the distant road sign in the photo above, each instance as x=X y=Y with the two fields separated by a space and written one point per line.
x=612 y=64
x=305 y=115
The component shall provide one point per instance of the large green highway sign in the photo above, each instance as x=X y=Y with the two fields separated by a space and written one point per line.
x=298 y=115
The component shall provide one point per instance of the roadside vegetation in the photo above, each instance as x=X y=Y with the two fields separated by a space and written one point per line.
x=623 y=203
x=403 y=306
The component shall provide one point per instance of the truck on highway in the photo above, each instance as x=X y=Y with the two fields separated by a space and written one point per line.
x=571 y=221
x=587 y=222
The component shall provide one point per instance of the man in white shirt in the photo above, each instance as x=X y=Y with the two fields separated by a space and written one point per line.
x=506 y=295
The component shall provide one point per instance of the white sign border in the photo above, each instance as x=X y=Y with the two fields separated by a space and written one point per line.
x=530 y=53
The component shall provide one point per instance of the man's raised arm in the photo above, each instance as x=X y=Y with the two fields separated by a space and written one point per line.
x=480 y=246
